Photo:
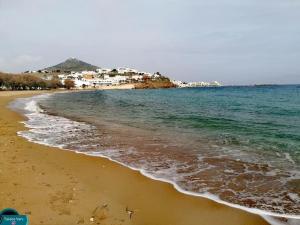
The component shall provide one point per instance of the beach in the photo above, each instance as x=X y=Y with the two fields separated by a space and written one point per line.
x=54 y=186
x=112 y=87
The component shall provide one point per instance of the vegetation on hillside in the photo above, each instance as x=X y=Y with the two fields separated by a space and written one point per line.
x=72 y=64
x=69 y=84
x=27 y=82
x=163 y=82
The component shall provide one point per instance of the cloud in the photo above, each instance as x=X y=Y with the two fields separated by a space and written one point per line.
x=23 y=60
x=18 y=63
x=1 y=64
x=226 y=40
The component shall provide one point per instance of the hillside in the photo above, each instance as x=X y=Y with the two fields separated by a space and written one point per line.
x=154 y=84
x=72 y=64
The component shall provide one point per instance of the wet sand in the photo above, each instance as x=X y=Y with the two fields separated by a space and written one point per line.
x=53 y=186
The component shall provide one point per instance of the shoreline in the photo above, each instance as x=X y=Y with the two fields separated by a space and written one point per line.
x=193 y=206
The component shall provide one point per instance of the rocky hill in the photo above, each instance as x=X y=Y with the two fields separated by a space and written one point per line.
x=72 y=64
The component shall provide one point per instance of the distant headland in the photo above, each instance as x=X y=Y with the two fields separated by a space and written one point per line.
x=76 y=74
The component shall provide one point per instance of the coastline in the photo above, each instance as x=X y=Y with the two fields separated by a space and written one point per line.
x=115 y=87
x=73 y=188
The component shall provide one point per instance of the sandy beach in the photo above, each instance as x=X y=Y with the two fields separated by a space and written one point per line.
x=53 y=186
x=111 y=87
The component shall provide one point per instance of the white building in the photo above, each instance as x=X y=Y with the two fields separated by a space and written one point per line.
x=101 y=82
x=137 y=77
x=120 y=79
x=123 y=70
x=88 y=73
x=198 y=84
x=106 y=76
x=155 y=75
x=179 y=83
x=103 y=76
x=215 y=84
x=103 y=70
x=81 y=83
x=62 y=76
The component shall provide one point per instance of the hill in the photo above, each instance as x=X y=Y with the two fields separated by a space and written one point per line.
x=72 y=64
x=154 y=84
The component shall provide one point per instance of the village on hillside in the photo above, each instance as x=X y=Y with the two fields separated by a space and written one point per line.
x=102 y=77
x=76 y=74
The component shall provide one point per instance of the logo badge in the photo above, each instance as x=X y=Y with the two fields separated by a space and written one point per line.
x=12 y=217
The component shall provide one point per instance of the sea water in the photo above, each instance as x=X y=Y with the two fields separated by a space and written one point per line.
x=236 y=145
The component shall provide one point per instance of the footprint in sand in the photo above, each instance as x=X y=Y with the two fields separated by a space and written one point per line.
x=99 y=214
x=61 y=200
x=80 y=220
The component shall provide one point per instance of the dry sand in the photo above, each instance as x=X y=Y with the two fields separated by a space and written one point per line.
x=61 y=187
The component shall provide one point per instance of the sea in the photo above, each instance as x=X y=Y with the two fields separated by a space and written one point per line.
x=239 y=146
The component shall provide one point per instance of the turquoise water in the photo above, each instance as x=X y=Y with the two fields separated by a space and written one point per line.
x=241 y=144
x=267 y=118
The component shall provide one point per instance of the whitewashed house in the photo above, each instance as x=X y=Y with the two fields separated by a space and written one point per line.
x=120 y=79
x=88 y=73
x=137 y=77
x=123 y=70
x=81 y=83
x=103 y=70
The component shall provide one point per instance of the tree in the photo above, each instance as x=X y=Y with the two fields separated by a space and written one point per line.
x=114 y=71
x=54 y=83
x=30 y=82
x=1 y=80
x=69 y=84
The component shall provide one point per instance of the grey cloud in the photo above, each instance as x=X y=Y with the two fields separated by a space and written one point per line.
x=236 y=42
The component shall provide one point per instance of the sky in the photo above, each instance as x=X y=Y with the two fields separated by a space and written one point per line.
x=231 y=41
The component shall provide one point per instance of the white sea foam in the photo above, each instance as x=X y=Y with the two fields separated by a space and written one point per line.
x=61 y=132
x=289 y=158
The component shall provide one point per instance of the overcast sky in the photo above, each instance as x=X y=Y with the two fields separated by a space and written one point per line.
x=232 y=41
